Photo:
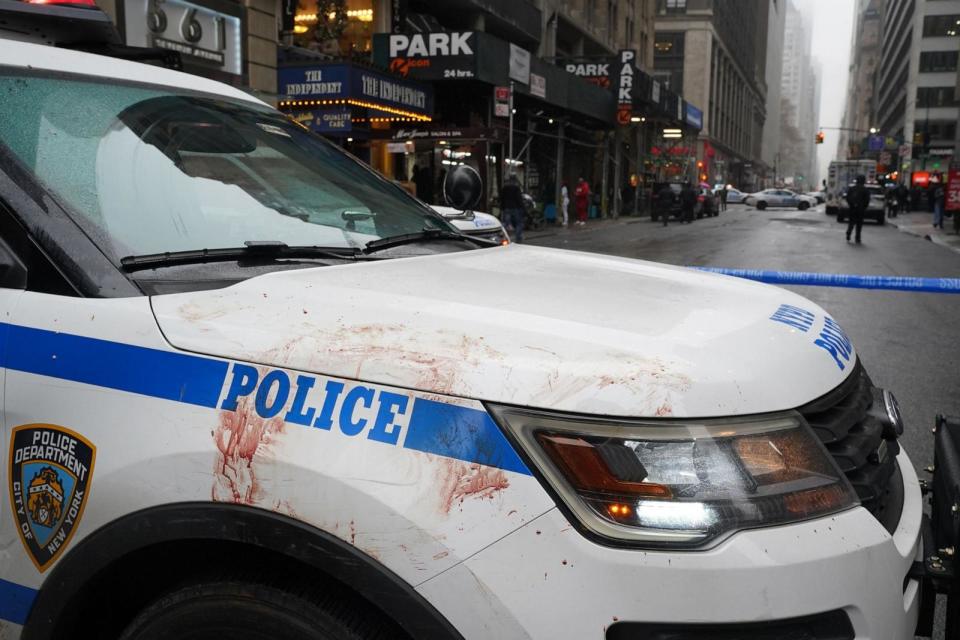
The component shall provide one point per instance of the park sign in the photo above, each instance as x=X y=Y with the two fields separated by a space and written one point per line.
x=623 y=86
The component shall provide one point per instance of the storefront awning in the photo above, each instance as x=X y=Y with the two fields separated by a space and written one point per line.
x=330 y=91
x=479 y=56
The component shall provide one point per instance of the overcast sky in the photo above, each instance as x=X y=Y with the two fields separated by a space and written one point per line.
x=832 y=24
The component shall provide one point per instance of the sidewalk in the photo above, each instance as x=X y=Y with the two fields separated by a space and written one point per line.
x=920 y=223
x=552 y=229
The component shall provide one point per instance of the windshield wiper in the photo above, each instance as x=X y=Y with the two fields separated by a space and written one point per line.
x=427 y=235
x=253 y=249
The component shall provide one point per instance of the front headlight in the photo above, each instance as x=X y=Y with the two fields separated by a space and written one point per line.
x=681 y=484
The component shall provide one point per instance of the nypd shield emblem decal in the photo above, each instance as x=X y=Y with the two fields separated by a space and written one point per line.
x=50 y=471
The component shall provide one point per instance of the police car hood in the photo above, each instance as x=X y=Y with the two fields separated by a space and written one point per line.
x=546 y=328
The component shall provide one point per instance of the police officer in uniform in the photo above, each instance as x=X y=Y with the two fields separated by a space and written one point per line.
x=859 y=199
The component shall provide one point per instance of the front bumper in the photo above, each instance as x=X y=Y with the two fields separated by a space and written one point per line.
x=546 y=580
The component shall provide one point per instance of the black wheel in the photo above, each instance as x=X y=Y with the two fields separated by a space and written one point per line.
x=882 y=219
x=803 y=206
x=654 y=217
x=841 y=218
x=761 y=205
x=248 y=611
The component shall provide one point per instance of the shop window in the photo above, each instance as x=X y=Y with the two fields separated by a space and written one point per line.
x=936 y=61
x=941 y=26
x=335 y=27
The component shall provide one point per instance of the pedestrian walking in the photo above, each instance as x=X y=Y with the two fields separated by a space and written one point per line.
x=858 y=198
x=890 y=201
x=903 y=198
x=582 y=200
x=665 y=202
x=688 y=202
x=511 y=201
x=723 y=197
x=565 y=202
x=938 y=198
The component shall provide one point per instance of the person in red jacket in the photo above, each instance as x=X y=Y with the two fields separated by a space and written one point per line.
x=582 y=198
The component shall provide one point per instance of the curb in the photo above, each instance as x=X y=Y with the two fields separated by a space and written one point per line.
x=935 y=238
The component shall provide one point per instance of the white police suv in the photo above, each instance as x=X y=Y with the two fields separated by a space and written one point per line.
x=245 y=395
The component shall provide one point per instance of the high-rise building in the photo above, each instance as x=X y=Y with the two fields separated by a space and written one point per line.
x=714 y=53
x=894 y=74
x=917 y=92
x=598 y=28
x=799 y=101
x=770 y=146
x=860 y=114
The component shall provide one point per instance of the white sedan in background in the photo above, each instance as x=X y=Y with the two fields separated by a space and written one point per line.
x=779 y=198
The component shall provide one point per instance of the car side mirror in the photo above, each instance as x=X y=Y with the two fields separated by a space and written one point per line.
x=462 y=188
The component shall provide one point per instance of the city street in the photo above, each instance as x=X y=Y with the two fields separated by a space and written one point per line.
x=907 y=341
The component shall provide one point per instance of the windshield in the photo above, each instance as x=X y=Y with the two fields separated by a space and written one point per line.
x=151 y=170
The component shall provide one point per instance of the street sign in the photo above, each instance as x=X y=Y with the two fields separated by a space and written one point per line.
x=501 y=102
x=905 y=151
x=884 y=157
x=953 y=188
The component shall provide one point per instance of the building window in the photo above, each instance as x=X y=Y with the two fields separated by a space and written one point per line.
x=668 y=59
x=938 y=130
x=341 y=28
x=935 y=61
x=612 y=20
x=941 y=26
x=936 y=97
x=675 y=6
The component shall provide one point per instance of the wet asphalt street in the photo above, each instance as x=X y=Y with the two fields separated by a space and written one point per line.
x=909 y=342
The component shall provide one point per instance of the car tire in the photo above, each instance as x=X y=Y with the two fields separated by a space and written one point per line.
x=242 y=610
x=841 y=218
x=803 y=206
x=882 y=219
x=654 y=217
x=761 y=205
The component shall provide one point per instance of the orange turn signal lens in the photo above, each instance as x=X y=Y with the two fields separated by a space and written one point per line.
x=587 y=471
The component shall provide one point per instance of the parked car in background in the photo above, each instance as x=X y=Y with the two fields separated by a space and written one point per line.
x=779 y=198
x=819 y=196
x=475 y=223
x=707 y=202
x=663 y=206
x=876 y=211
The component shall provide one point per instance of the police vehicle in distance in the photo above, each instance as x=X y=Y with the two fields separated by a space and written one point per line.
x=246 y=394
x=475 y=223
x=779 y=198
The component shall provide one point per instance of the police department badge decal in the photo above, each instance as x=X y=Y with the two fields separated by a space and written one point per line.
x=50 y=471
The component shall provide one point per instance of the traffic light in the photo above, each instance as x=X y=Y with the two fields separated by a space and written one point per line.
x=819 y=137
